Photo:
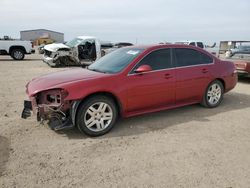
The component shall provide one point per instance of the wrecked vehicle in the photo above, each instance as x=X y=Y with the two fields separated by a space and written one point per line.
x=127 y=82
x=82 y=50
x=238 y=50
x=239 y=53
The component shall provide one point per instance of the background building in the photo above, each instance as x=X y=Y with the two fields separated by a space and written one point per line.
x=42 y=36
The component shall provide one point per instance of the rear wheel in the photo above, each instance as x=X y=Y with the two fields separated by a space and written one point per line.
x=96 y=116
x=17 y=54
x=213 y=95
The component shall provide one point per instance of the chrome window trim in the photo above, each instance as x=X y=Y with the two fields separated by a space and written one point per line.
x=171 y=69
x=132 y=74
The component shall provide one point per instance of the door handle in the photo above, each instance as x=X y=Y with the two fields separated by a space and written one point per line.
x=168 y=76
x=204 y=71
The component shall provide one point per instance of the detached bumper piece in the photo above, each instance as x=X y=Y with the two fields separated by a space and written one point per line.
x=26 y=110
x=59 y=125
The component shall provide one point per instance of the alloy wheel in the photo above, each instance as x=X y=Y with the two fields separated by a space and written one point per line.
x=98 y=116
x=214 y=94
x=18 y=54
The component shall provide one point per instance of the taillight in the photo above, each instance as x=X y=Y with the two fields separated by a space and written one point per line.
x=32 y=44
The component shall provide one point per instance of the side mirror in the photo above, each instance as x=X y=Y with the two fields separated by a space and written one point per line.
x=143 y=68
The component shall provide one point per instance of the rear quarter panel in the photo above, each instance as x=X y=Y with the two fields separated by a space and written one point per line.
x=226 y=71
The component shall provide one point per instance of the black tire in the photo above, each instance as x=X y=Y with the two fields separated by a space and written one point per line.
x=17 y=54
x=55 y=64
x=211 y=98
x=83 y=116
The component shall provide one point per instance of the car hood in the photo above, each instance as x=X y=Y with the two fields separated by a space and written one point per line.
x=55 y=46
x=58 y=79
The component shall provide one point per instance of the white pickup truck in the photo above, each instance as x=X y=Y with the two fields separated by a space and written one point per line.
x=15 y=48
x=209 y=48
x=196 y=43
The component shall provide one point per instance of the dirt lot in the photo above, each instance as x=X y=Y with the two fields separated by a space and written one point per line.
x=186 y=147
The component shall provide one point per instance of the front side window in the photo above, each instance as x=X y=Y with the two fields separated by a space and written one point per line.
x=189 y=57
x=159 y=59
x=205 y=59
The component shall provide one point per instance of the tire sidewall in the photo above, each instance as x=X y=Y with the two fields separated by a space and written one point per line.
x=207 y=104
x=84 y=107
x=13 y=54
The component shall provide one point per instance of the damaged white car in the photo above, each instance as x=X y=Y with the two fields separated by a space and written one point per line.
x=82 y=50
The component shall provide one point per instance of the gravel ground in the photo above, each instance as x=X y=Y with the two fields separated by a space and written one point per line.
x=186 y=147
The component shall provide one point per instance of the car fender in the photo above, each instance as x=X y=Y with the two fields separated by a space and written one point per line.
x=75 y=104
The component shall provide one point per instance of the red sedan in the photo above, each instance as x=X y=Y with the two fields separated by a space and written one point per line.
x=128 y=82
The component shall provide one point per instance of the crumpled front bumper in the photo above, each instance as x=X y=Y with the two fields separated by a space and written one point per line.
x=50 y=61
x=27 y=109
x=31 y=106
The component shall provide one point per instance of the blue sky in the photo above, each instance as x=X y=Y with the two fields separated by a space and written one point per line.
x=131 y=20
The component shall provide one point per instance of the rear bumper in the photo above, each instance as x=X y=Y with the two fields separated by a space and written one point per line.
x=242 y=72
x=32 y=51
x=242 y=67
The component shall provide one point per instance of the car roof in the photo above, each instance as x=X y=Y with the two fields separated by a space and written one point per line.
x=86 y=37
x=157 y=46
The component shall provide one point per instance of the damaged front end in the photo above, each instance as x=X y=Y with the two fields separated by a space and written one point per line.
x=61 y=57
x=50 y=105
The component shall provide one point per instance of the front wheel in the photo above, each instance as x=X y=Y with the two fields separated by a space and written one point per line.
x=214 y=94
x=17 y=54
x=96 y=116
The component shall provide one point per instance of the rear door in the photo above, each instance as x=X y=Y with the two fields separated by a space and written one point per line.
x=152 y=89
x=193 y=74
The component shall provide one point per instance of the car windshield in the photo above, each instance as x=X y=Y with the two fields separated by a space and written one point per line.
x=74 y=42
x=115 y=61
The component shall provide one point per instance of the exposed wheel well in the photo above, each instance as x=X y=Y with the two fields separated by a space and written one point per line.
x=17 y=47
x=223 y=82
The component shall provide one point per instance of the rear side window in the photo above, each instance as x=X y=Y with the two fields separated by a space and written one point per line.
x=192 y=43
x=205 y=59
x=200 y=44
x=189 y=57
x=159 y=59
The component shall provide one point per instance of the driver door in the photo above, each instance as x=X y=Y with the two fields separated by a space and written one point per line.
x=153 y=89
